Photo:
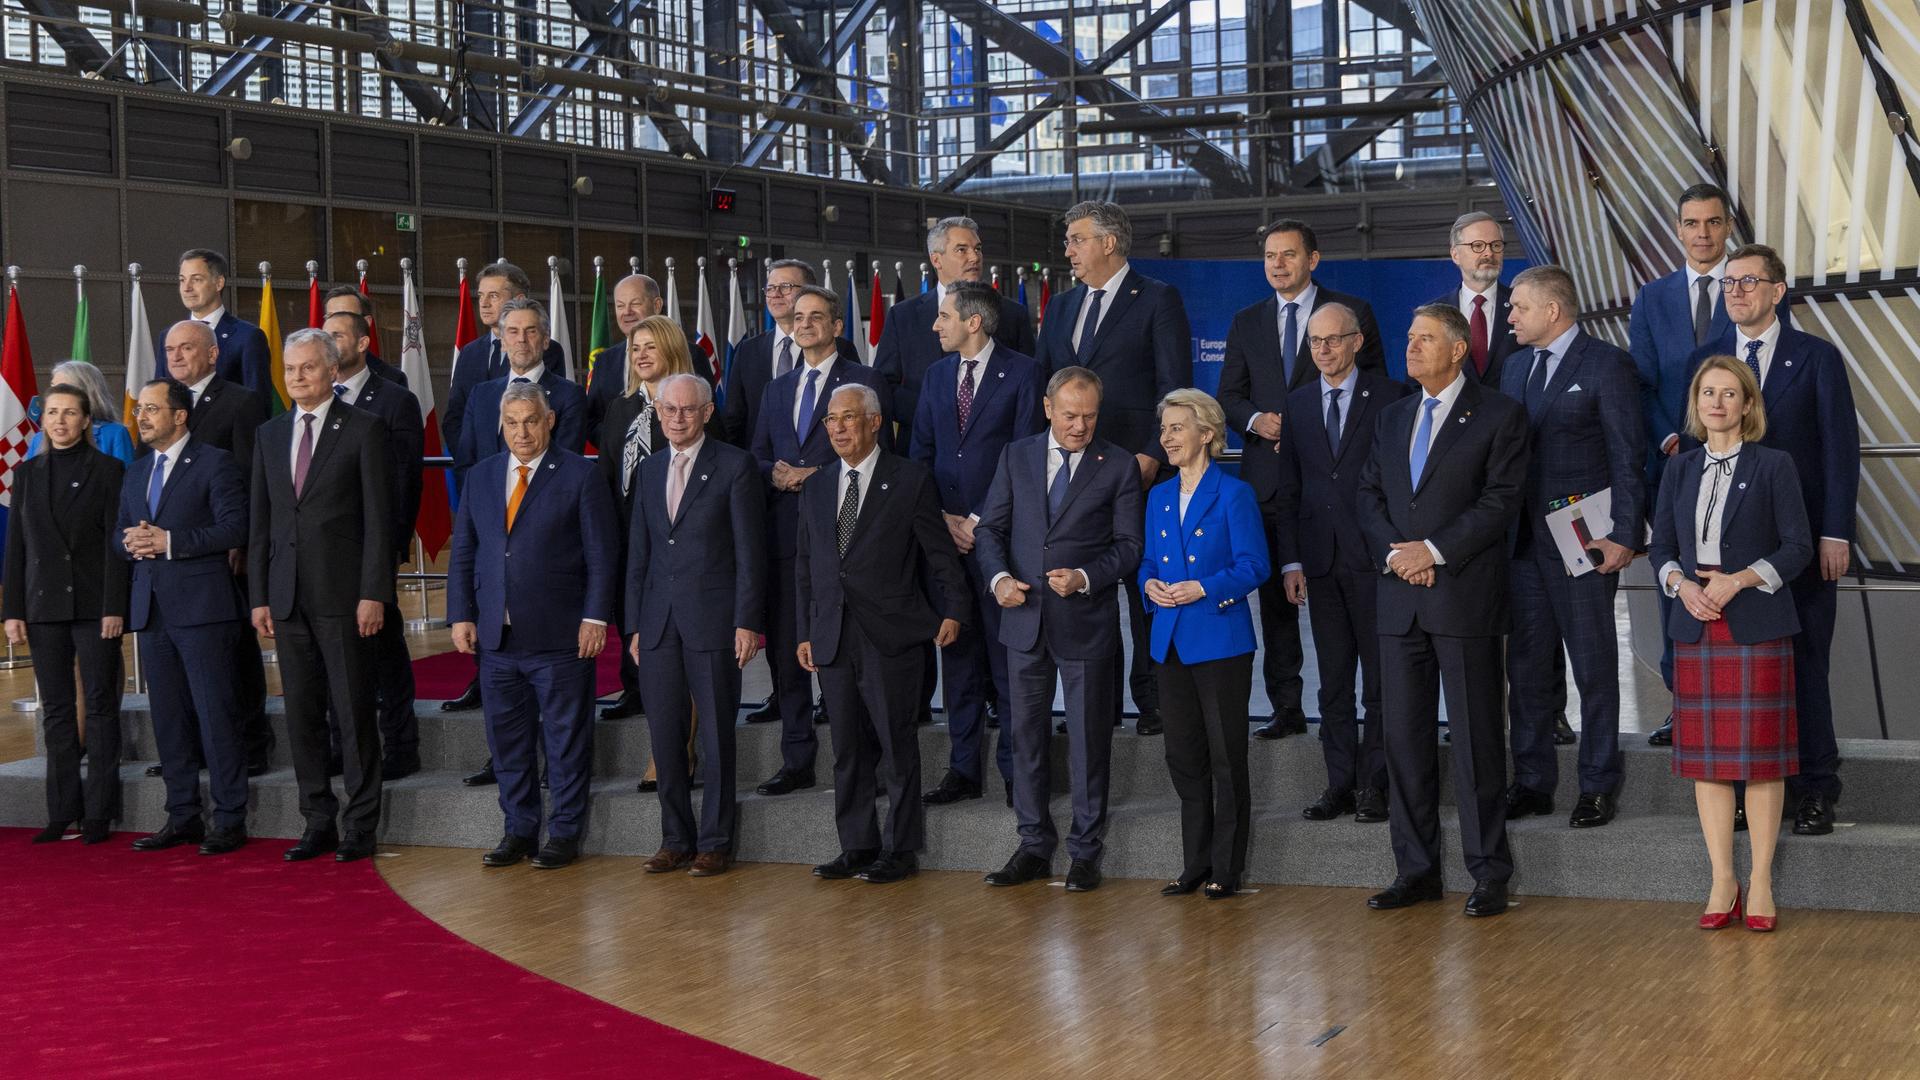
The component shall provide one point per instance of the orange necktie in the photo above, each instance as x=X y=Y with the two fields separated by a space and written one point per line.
x=519 y=493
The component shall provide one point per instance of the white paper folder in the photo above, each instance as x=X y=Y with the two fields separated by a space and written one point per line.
x=1574 y=528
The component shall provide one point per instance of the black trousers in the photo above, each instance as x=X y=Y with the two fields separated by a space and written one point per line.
x=393 y=690
x=1280 y=635
x=326 y=664
x=1027 y=724
x=1415 y=666
x=680 y=683
x=56 y=646
x=792 y=687
x=1204 y=707
x=1340 y=608
x=872 y=698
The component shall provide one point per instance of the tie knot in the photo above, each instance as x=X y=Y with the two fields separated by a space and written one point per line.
x=521 y=379
x=812 y=374
x=1479 y=302
x=1753 y=348
x=307 y=419
x=1334 y=393
x=1066 y=455
x=1292 y=306
x=1431 y=403
x=339 y=390
x=523 y=470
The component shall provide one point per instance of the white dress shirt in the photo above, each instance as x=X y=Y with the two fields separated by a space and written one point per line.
x=1709 y=517
x=1302 y=312
x=1713 y=291
x=865 y=469
x=1556 y=352
x=201 y=388
x=534 y=376
x=1446 y=398
x=825 y=368
x=979 y=370
x=773 y=357
x=1053 y=469
x=1769 y=340
x=212 y=319
x=1107 y=293
x=355 y=383
x=319 y=422
x=1489 y=309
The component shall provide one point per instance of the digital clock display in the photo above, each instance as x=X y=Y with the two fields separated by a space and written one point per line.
x=720 y=200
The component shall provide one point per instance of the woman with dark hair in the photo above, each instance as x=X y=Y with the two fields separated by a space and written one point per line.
x=1729 y=532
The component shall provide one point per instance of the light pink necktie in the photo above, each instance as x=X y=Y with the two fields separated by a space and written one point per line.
x=676 y=486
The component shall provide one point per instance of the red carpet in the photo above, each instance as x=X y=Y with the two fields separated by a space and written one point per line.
x=167 y=964
x=446 y=675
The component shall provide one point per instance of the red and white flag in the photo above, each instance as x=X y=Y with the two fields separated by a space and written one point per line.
x=17 y=387
x=876 y=311
x=373 y=332
x=435 y=521
x=705 y=333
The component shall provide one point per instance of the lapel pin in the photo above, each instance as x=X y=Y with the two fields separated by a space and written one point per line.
x=76 y=483
x=186 y=461
x=1462 y=420
x=1003 y=374
x=1789 y=363
x=703 y=478
x=1099 y=457
x=1163 y=534
x=1199 y=532
x=1366 y=393
x=1743 y=485
x=883 y=487
x=1165 y=509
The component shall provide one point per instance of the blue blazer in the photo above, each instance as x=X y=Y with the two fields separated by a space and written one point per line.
x=705 y=572
x=1143 y=349
x=1220 y=543
x=1097 y=531
x=1006 y=406
x=908 y=347
x=747 y=377
x=774 y=440
x=245 y=357
x=1764 y=519
x=1660 y=337
x=109 y=437
x=1810 y=416
x=472 y=365
x=480 y=430
x=203 y=508
x=568 y=542
x=1589 y=433
x=1317 y=525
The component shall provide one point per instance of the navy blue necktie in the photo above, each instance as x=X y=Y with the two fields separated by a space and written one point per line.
x=1537 y=382
x=495 y=368
x=1289 y=347
x=1333 y=420
x=1087 y=327
x=1057 y=493
x=1753 y=359
x=154 y=484
x=805 y=425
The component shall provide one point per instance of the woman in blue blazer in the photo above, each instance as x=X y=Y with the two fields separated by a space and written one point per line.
x=1206 y=552
x=1729 y=531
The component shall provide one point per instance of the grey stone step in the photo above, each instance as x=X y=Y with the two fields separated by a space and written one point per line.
x=1286 y=774
x=1656 y=856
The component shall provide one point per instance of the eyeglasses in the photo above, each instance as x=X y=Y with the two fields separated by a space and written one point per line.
x=1481 y=247
x=780 y=290
x=1078 y=241
x=1748 y=283
x=151 y=410
x=679 y=410
x=1328 y=341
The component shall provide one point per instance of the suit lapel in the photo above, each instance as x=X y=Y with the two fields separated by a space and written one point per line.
x=1359 y=415
x=273 y=443
x=985 y=387
x=1197 y=507
x=1459 y=419
x=872 y=496
x=537 y=482
x=1092 y=459
x=1071 y=304
x=1563 y=375
x=172 y=482
x=697 y=474
x=1789 y=360
x=1114 y=305
x=324 y=440
x=1743 y=467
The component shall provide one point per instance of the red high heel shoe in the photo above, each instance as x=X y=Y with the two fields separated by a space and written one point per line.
x=1720 y=920
x=1763 y=924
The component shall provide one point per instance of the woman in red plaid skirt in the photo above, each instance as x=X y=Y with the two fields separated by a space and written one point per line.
x=1729 y=531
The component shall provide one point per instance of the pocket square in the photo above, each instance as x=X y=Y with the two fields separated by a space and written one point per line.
x=1574 y=389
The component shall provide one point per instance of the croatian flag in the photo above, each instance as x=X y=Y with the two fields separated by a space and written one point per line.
x=17 y=387
x=704 y=334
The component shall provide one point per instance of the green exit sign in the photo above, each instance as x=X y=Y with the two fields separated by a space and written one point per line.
x=405 y=222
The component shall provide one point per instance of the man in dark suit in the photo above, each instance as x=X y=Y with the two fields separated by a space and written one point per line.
x=347 y=298
x=974 y=401
x=1266 y=359
x=537 y=622
x=1478 y=246
x=524 y=336
x=485 y=357
x=243 y=354
x=636 y=298
x=1585 y=434
x=764 y=357
x=1438 y=495
x=1061 y=528
x=1810 y=415
x=696 y=598
x=909 y=344
x=870 y=539
x=790 y=445
x=320 y=571
x=183 y=509
x=396 y=407
x=1132 y=331
x=1321 y=554
x=225 y=416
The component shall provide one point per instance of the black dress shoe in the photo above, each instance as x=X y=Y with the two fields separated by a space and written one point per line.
x=313 y=844
x=1020 y=869
x=1060 y=726
x=186 y=832
x=819 y=712
x=1815 y=816
x=556 y=853
x=1563 y=732
x=1331 y=804
x=468 y=700
x=1219 y=890
x=952 y=788
x=1283 y=723
x=992 y=711
x=646 y=787
x=94 y=832
x=1183 y=885
x=1405 y=892
x=847 y=864
x=152 y=770
x=482 y=778
x=763 y=713
x=399 y=766
x=510 y=850
x=925 y=717
x=890 y=867
x=54 y=831
x=354 y=846
x=785 y=783
x=626 y=707
x=1369 y=806
x=1148 y=724
x=1009 y=798
x=1739 y=818
x=224 y=841
x=1593 y=811
x=1489 y=898
x=1662 y=735
x=1083 y=876
x=1523 y=801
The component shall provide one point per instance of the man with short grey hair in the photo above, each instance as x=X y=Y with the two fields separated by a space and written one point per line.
x=1477 y=244
x=1133 y=332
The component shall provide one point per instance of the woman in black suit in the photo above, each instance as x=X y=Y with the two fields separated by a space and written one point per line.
x=1729 y=531
x=65 y=594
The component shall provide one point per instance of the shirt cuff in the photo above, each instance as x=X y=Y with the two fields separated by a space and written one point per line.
x=169 y=543
x=1671 y=440
x=594 y=622
x=975 y=518
x=1086 y=583
x=993 y=586
x=1438 y=559
x=1770 y=580
x=1250 y=422
x=1666 y=572
x=1838 y=540
x=1290 y=568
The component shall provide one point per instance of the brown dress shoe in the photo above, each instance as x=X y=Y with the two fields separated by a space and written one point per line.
x=667 y=860
x=710 y=863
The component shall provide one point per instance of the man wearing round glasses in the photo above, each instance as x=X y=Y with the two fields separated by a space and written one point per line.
x=1478 y=247
x=764 y=357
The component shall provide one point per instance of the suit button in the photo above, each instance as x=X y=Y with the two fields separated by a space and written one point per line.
x=68 y=558
x=69 y=588
x=959 y=453
x=843 y=575
x=669 y=543
x=1413 y=506
x=1336 y=476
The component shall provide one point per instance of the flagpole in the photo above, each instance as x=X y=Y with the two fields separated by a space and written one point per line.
x=10 y=663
